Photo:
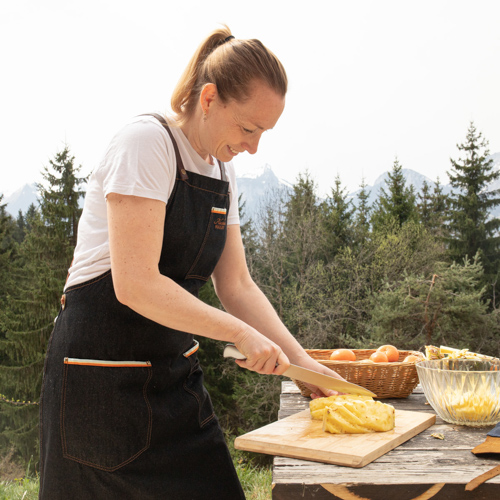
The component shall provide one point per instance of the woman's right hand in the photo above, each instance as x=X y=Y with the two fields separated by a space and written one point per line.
x=262 y=355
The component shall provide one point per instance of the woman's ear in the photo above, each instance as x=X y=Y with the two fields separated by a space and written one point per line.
x=208 y=95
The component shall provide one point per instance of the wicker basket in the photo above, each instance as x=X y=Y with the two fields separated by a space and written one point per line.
x=386 y=380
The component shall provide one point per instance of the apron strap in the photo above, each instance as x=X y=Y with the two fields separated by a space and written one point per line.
x=222 y=168
x=180 y=165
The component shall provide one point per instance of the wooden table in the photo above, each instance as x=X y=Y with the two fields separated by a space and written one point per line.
x=422 y=468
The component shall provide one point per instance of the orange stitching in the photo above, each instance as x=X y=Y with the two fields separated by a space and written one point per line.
x=208 y=190
x=196 y=277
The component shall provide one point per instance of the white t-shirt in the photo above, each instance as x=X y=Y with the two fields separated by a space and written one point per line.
x=139 y=161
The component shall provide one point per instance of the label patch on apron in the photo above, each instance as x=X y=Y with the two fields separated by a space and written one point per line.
x=219 y=217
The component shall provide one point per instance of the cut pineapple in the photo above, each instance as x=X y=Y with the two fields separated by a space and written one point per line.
x=319 y=405
x=358 y=417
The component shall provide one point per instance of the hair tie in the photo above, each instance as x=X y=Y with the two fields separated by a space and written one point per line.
x=230 y=37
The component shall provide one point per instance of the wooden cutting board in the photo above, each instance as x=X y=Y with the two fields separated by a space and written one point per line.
x=298 y=436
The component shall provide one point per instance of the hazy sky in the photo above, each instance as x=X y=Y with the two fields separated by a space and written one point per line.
x=369 y=80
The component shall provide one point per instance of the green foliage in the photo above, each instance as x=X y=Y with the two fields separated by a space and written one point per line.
x=398 y=205
x=471 y=228
x=337 y=216
x=445 y=307
x=432 y=209
x=38 y=273
x=362 y=215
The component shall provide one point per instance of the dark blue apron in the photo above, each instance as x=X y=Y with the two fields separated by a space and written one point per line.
x=123 y=412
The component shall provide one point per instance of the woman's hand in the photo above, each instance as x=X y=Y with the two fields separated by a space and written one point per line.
x=320 y=392
x=262 y=355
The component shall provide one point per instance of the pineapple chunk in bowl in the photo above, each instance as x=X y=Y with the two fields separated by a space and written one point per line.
x=462 y=391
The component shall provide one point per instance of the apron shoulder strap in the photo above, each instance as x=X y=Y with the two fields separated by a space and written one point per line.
x=180 y=166
x=222 y=168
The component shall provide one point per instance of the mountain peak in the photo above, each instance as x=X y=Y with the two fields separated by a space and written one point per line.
x=21 y=199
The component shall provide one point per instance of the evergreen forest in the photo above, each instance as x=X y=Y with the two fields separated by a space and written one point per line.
x=410 y=270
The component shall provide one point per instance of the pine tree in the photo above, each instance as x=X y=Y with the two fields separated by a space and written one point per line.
x=338 y=214
x=7 y=249
x=398 y=206
x=27 y=320
x=470 y=225
x=424 y=205
x=362 y=217
x=302 y=224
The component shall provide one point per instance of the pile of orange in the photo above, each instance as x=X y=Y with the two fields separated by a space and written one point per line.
x=384 y=354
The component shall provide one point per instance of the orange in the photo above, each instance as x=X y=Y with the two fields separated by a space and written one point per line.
x=379 y=357
x=412 y=359
x=390 y=351
x=343 y=355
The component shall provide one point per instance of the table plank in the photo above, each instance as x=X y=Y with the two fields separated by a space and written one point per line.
x=422 y=468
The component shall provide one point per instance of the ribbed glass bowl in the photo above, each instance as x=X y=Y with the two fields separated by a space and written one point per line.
x=462 y=391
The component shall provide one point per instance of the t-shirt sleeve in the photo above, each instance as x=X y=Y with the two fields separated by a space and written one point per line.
x=140 y=161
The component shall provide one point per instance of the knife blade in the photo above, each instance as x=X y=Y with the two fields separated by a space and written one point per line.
x=310 y=376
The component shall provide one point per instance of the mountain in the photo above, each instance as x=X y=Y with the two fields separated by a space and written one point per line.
x=21 y=199
x=254 y=186
x=412 y=178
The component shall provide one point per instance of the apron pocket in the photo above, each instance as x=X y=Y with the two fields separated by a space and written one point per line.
x=214 y=240
x=194 y=386
x=106 y=418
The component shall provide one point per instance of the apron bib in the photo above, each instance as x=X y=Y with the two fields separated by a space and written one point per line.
x=123 y=411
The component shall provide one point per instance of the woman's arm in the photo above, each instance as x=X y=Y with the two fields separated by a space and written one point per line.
x=242 y=298
x=135 y=238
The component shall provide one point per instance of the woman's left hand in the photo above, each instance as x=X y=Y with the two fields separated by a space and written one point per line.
x=320 y=392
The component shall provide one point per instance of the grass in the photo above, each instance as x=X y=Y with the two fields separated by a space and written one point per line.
x=19 y=489
x=256 y=481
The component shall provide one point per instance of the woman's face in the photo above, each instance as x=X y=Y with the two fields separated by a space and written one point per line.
x=234 y=127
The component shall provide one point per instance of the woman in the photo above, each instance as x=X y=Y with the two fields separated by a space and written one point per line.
x=124 y=414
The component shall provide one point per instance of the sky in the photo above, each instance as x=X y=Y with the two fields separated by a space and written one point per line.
x=369 y=81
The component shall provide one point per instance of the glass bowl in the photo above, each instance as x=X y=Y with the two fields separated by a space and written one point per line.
x=462 y=391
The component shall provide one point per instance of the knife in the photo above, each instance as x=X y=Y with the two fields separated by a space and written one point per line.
x=310 y=376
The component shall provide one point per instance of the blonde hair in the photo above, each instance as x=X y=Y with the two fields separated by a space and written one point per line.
x=231 y=65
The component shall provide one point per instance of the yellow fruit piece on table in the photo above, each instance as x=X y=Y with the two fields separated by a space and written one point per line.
x=318 y=405
x=358 y=417
x=433 y=352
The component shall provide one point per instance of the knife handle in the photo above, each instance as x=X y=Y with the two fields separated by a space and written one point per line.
x=230 y=351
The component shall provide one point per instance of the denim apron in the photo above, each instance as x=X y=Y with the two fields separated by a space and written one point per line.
x=123 y=413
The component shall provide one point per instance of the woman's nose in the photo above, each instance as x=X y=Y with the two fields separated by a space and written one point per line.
x=252 y=144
